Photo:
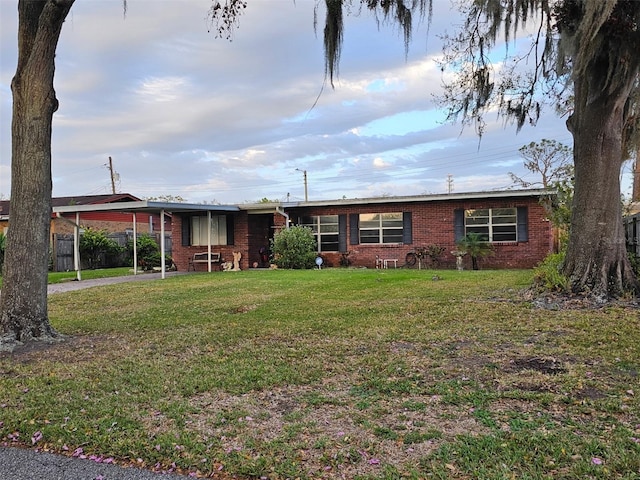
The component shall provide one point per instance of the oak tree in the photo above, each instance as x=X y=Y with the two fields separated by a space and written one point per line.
x=23 y=302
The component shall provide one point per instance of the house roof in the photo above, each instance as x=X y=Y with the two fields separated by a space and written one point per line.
x=263 y=207
x=5 y=205
x=93 y=199
x=129 y=203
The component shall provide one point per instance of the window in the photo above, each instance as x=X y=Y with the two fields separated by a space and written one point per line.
x=218 y=230
x=380 y=227
x=325 y=228
x=493 y=224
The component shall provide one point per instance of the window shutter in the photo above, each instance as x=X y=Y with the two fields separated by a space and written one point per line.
x=407 y=228
x=342 y=233
x=458 y=224
x=230 y=232
x=186 y=231
x=523 y=224
x=354 y=227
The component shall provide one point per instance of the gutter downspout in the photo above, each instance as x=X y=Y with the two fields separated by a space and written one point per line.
x=285 y=215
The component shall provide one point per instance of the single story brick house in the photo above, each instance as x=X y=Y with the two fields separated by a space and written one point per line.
x=371 y=230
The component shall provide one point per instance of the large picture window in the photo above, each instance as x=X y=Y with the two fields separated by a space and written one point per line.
x=380 y=227
x=325 y=228
x=493 y=224
x=218 y=230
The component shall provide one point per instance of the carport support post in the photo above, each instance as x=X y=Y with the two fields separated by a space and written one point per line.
x=76 y=247
x=162 y=262
x=209 y=240
x=135 y=244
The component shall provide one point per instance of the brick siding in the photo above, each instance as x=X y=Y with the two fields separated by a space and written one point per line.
x=432 y=223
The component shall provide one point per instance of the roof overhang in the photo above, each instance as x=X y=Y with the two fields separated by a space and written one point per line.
x=255 y=208
x=145 y=206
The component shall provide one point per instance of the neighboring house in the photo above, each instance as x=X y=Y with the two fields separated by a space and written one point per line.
x=372 y=229
x=115 y=221
x=110 y=221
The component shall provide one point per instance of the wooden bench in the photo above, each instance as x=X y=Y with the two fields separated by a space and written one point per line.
x=203 y=257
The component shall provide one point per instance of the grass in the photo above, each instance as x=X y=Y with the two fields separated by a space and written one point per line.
x=59 y=277
x=362 y=374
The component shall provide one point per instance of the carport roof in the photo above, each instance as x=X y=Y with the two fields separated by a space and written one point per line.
x=146 y=206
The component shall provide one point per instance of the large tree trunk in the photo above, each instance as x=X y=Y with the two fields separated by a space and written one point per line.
x=596 y=261
x=23 y=302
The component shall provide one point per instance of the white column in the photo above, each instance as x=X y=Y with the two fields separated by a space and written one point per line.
x=135 y=244
x=76 y=247
x=209 y=240
x=162 y=262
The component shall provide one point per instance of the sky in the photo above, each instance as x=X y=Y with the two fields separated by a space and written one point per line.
x=185 y=114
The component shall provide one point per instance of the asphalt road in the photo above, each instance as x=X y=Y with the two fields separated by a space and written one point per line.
x=27 y=464
x=30 y=464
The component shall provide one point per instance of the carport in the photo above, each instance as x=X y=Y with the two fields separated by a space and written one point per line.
x=135 y=208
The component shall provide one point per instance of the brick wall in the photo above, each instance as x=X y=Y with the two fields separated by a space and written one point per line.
x=182 y=254
x=432 y=223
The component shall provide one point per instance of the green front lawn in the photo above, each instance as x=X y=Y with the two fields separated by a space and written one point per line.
x=333 y=374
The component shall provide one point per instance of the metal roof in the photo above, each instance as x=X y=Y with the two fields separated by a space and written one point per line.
x=146 y=206
x=264 y=206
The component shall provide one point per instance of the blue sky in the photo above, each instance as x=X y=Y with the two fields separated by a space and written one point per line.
x=185 y=114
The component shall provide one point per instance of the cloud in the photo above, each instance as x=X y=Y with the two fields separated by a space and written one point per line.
x=183 y=113
x=380 y=163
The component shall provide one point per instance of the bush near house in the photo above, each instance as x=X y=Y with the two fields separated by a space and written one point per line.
x=97 y=249
x=295 y=248
x=148 y=252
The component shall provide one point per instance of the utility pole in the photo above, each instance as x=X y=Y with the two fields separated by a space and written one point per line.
x=306 y=192
x=449 y=183
x=113 y=177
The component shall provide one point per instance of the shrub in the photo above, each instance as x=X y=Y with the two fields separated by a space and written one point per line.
x=96 y=247
x=434 y=252
x=148 y=252
x=294 y=247
x=547 y=274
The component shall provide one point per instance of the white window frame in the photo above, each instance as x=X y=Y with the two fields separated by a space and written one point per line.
x=199 y=236
x=317 y=228
x=380 y=228
x=492 y=224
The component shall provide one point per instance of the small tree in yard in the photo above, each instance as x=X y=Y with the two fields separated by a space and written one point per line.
x=95 y=246
x=148 y=252
x=476 y=246
x=294 y=247
x=551 y=162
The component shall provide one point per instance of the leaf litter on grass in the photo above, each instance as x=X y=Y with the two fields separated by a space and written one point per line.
x=375 y=391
